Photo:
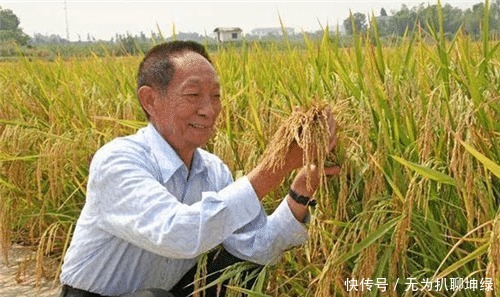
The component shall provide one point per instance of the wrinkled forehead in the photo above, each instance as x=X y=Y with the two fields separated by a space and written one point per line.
x=189 y=63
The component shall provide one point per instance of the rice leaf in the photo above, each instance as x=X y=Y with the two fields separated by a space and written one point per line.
x=488 y=163
x=480 y=251
x=427 y=172
x=369 y=240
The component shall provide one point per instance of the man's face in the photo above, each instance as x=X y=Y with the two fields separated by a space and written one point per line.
x=186 y=112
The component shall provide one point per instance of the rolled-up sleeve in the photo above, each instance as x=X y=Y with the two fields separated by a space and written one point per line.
x=264 y=240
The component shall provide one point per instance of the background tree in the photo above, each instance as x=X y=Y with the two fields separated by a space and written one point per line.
x=473 y=19
x=358 y=20
x=426 y=17
x=403 y=20
x=8 y=20
x=453 y=18
x=9 y=28
x=495 y=16
x=382 y=22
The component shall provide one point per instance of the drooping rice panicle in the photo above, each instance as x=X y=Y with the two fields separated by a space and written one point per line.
x=308 y=128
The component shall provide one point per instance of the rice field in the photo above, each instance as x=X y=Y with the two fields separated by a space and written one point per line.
x=414 y=212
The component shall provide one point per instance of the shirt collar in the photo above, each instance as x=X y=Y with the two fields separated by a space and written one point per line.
x=168 y=159
x=198 y=164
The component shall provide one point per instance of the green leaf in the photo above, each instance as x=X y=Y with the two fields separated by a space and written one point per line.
x=488 y=163
x=390 y=181
x=427 y=172
x=5 y=157
x=475 y=254
x=370 y=239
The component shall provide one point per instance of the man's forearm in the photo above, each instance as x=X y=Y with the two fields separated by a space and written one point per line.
x=264 y=180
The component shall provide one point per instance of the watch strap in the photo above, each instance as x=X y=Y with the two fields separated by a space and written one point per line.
x=304 y=200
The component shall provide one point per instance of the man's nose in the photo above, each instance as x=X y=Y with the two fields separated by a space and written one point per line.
x=206 y=107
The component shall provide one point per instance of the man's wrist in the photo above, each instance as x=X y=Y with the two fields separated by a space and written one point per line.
x=302 y=199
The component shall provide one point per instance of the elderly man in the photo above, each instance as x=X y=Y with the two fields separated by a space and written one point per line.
x=156 y=200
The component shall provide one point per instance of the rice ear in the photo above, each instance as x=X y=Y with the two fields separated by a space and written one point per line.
x=309 y=129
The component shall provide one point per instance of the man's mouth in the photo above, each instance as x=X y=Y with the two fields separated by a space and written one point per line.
x=199 y=126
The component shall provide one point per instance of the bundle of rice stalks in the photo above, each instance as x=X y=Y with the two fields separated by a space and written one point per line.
x=309 y=128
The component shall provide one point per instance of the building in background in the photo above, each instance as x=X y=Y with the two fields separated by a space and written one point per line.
x=227 y=34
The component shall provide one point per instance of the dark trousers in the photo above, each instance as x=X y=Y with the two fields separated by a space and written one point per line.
x=216 y=261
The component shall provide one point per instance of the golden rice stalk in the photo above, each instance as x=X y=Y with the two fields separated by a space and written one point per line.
x=493 y=267
x=309 y=129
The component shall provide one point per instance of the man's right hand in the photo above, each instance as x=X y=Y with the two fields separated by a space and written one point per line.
x=265 y=180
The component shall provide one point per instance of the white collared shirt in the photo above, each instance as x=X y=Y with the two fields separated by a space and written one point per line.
x=146 y=220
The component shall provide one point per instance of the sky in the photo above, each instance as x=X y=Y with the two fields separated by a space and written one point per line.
x=104 y=19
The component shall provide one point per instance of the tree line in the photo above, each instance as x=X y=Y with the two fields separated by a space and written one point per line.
x=396 y=24
x=425 y=17
x=9 y=28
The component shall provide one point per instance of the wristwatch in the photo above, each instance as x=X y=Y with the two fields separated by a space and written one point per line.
x=304 y=200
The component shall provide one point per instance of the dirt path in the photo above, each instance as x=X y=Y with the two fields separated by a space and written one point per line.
x=17 y=278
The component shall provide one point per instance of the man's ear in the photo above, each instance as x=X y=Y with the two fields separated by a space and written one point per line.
x=147 y=97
